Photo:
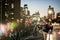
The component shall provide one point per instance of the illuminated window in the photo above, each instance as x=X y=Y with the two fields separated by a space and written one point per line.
x=6 y=4
x=12 y=5
x=12 y=13
x=6 y=14
x=12 y=18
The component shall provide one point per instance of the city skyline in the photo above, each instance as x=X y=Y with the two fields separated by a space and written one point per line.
x=41 y=6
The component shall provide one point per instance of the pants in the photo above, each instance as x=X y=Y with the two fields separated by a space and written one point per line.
x=49 y=37
x=45 y=35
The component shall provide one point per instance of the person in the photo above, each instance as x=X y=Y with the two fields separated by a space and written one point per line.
x=47 y=27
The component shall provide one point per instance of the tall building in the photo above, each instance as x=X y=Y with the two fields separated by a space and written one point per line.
x=51 y=13
x=25 y=15
x=26 y=11
x=10 y=10
x=36 y=18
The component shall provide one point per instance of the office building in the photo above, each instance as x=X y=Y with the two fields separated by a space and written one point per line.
x=10 y=10
x=51 y=12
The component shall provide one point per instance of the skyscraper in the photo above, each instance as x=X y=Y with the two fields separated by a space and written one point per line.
x=10 y=10
x=26 y=11
x=51 y=12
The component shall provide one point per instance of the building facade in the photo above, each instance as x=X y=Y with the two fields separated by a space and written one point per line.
x=51 y=12
x=10 y=10
x=26 y=11
x=36 y=18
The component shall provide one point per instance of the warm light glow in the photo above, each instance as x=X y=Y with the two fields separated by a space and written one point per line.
x=12 y=13
x=38 y=19
x=6 y=14
x=49 y=19
x=12 y=5
x=2 y=29
x=13 y=25
x=6 y=4
x=12 y=18
x=50 y=11
x=59 y=32
x=34 y=18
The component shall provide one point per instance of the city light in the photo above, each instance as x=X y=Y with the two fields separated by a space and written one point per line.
x=13 y=25
x=29 y=20
x=34 y=18
x=2 y=29
x=38 y=19
x=50 y=11
x=59 y=32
